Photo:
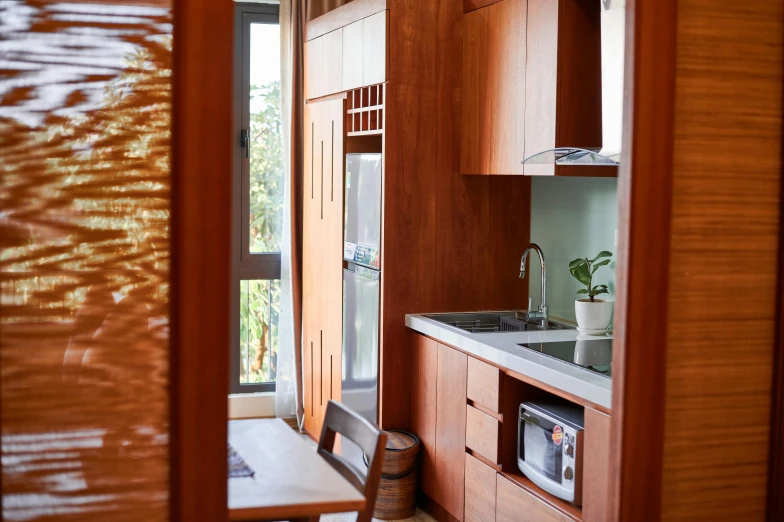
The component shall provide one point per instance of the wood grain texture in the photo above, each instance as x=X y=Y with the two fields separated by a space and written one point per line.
x=424 y=368
x=596 y=471
x=728 y=95
x=515 y=504
x=493 y=97
x=201 y=215
x=291 y=479
x=482 y=434
x=438 y=226
x=480 y=491
x=563 y=81
x=644 y=193
x=776 y=500
x=374 y=49
x=484 y=384
x=342 y=16
x=450 y=430
x=470 y=5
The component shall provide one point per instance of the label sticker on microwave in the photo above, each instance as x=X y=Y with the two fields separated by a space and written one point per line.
x=557 y=435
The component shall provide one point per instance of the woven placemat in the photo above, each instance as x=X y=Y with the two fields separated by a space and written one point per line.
x=238 y=468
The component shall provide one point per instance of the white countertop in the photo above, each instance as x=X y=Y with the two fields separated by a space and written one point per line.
x=501 y=349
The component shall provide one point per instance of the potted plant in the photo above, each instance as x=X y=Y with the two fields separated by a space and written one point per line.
x=593 y=315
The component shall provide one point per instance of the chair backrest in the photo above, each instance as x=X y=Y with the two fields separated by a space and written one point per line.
x=340 y=419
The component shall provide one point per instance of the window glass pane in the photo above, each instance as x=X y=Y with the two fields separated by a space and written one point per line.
x=259 y=308
x=266 y=153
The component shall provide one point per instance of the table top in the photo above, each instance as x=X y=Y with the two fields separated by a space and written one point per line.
x=291 y=480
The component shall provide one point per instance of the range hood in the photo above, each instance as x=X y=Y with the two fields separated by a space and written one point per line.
x=613 y=19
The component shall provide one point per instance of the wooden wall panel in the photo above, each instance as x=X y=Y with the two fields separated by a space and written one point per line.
x=450 y=242
x=723 y=259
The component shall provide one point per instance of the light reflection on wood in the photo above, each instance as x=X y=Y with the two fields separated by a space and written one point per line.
x=84 y=269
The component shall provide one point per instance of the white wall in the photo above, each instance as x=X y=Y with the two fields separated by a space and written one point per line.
x=571 y=218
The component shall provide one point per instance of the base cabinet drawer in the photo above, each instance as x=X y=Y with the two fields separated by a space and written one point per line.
x=482 y=434
x=514 y=504
x=484 y=384
x=480 y=484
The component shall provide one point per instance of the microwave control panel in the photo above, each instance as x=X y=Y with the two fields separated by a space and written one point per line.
x=568 y=451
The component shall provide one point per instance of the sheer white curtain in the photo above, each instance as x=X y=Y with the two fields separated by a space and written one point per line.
x=286 y=391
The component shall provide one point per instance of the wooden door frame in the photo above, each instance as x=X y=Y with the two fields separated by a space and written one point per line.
x=644 y=199
x=201 y=243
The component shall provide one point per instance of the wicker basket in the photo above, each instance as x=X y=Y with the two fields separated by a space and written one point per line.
x=396 y=496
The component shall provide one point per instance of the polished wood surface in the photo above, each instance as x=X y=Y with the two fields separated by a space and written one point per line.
x=644 y=191
x=322 y=259
x=201 y=215
x=332 y=57
x=728 y=94
x=424 y=369
x=342 y=16
x=515 y=504
x=450 y=430
x=314 y=64
x=484 y=384
x=776 y=500
x=291 y=480
x=493 y=94
x=339 y=420
x=596 y=471
x=563 y=81
x=374 y=49
x=482 y=434
x=352 y=55
x=480 y=491
x=470 y=5
x=438 y=226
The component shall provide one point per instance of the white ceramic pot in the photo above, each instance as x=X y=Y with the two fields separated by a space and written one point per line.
x=594 y=315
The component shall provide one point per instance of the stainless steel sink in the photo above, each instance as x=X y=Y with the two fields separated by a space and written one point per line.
x=490 y=322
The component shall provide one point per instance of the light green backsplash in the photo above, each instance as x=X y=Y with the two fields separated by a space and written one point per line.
x=571 y=218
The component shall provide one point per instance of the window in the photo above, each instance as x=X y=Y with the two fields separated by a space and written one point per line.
x=258 y=199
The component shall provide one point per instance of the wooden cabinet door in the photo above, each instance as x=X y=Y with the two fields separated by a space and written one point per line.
x=374 y=49
x=450 y=430
x=493 y=104
x=596 y=458
x=332 y=68
x=314 y=62
x=331 y=255
x=424 y=369
x=514 y=504
x=480 y=485
x=352 y=55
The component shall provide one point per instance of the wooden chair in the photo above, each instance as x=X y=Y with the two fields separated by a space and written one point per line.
x=340 y=419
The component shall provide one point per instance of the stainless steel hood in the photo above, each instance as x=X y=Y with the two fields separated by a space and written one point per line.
x=613 y=19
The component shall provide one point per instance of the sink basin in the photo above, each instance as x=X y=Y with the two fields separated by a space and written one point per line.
x=491 y=322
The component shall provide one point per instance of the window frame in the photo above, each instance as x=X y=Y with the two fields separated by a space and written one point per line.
x=245 y=265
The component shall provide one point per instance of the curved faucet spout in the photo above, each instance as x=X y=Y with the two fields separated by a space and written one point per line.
x=543 y=305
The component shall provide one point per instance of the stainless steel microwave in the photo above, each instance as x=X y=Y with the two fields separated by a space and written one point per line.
x=550 y=448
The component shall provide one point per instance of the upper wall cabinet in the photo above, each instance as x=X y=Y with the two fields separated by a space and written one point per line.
x=563 y=95
x=531 y=82
x=493 y=111
x=348 y=57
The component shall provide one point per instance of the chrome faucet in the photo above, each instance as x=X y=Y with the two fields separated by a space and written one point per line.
x=543 y=312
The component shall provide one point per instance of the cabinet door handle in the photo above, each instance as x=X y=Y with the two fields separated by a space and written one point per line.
x=322 y=179
x=311 y=378
x=332 y=164
x=321 y=358
x=312 y=155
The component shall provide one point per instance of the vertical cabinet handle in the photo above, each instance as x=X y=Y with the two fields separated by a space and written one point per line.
x=311 y=378
x=312 y=155
x=332 y=164
x=321 y=358
x=322 y=179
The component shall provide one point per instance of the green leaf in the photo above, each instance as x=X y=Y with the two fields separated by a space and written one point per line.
x=582 y=291
x=603 y=253
x=577 y=262
x=598 y=265
x=581 y=273
x=597 y=291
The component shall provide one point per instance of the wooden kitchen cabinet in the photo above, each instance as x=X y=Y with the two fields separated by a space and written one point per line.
x=352 y=55
x=596 y=458
x=322 y=277
x=480 y=491
x=514 y=504
x=563 y=80
x=374 y=49
x=494 y=83
x=424 y=368
x=450 y=430
x=324 y=65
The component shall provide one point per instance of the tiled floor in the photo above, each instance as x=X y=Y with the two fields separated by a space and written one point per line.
x=420 y=515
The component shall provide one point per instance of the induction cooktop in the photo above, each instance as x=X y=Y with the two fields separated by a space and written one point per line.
x=594 y=355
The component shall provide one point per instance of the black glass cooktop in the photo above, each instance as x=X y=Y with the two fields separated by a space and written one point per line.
x=592 y=354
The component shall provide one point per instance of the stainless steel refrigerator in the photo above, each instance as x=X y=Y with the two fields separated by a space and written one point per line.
x=361 y=287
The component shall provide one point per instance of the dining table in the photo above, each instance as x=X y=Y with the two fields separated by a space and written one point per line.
x=290 y=480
